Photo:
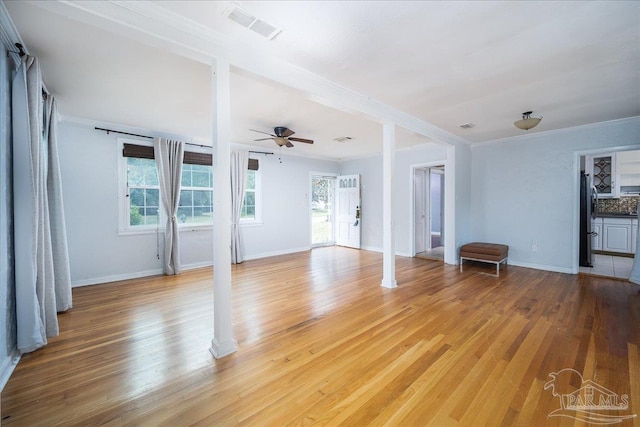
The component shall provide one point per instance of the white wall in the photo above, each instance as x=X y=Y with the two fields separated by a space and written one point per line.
x=524 y=190
x=370 y=169
x=285 y=205
x=99 y=254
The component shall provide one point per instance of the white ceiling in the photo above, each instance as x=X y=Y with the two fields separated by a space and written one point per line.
x=445 y=63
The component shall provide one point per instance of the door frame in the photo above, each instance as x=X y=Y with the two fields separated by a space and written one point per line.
x=412 y=209
x=575 y=238
x=426 y=183
x=438 y=171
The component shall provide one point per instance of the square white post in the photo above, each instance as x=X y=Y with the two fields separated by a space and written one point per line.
x=388 y=235
x=223 y=342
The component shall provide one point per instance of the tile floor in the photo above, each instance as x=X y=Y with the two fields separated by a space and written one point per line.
x=610 y=266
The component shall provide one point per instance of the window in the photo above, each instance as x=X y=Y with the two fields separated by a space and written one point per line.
x=141 y=208
x=251 y=204
x=144 y=192
x=196 y=195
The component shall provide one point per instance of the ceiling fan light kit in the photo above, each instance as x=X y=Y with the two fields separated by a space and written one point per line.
x=282 y=136
x=527 y=121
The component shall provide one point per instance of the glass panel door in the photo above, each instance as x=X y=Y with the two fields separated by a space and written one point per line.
x=322 y=218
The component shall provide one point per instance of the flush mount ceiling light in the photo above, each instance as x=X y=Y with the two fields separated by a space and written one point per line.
x=343 y=139
x=247 y=20
x=527 y=121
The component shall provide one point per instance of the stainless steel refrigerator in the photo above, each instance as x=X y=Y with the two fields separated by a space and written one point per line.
x=588 y=211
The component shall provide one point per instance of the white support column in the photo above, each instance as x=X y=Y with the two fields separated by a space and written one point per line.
x=388 y=206
x=222 y=343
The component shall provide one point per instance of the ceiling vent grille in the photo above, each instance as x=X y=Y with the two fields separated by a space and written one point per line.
x=247 y=20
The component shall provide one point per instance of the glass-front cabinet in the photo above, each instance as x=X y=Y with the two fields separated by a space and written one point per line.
x=602 y=169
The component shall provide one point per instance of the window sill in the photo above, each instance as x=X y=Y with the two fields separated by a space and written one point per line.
x=181 y=229
x=249 y=224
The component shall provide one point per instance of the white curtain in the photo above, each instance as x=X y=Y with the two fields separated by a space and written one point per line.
x=239 y=164
x=635 y=270
x=169 y=155
x=43 y=284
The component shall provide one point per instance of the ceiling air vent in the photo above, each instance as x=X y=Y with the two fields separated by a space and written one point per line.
x=467 y=126
x=247 y=20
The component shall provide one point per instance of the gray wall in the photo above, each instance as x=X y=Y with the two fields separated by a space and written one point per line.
x=7 y=280
x=370 y=170
x=525 y=190
x=99 y=253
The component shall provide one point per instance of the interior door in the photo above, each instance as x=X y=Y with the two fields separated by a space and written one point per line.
x=348 y=212
x=420 y=209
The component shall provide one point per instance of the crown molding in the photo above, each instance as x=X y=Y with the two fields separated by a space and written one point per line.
x=554 y=132
x=154 y=25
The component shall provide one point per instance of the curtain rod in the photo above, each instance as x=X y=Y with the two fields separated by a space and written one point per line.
x=150 y=137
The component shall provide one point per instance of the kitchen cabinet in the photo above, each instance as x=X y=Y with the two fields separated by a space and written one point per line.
x=616 y=234
x=602 y=169
x=628 y=170
x=634 y=236
x=596 y=237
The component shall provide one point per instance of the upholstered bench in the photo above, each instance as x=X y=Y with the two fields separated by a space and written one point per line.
x=485 y=252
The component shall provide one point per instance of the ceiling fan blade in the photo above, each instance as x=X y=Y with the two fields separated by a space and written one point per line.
x=289 y=144
x=306 y=141
x=287 y=132
x=262 y=139
x=259 y=131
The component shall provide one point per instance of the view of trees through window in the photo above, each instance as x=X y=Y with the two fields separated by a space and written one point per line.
x=249 y=202
x=322 y=189
x=144 y=191
x=196 y=196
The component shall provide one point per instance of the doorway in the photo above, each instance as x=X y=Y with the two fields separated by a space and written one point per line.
x=322 y=210
x=428 y=197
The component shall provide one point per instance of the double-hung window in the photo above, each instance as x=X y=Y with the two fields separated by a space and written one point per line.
x=141 y=207
x=143 y=192
x=251 y=212
x=196 y=195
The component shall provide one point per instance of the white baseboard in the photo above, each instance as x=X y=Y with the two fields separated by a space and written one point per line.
x=379 y=250
x=276 y=253
x=197 y=265
x=8 y=365
x=155 y=272
x=541 y=267
x=114 y=278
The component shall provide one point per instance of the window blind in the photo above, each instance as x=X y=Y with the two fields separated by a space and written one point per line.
x=190 y=157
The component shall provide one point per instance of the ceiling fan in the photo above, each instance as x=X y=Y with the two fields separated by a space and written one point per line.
x=282 y=136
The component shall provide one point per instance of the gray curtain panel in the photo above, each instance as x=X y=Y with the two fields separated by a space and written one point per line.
x=239 y=164
x=41 y=274
x=60 y=250
x=169 y=155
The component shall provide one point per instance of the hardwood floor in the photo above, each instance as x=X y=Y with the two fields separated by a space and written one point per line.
x=320 y=342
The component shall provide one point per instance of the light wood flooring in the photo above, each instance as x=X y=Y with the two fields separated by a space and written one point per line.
x=321 y=343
